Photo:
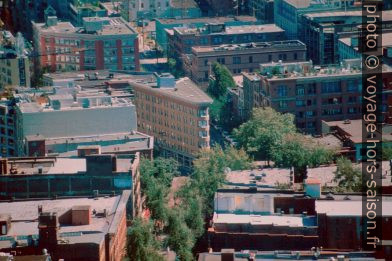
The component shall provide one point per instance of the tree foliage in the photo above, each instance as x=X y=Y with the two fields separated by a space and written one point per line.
x=387 y=153
x=184 y=223
x=264 y=131
x=155 y=179
x=270 y=135
x=223 y=80
x=348 y=177
x=298 y=151
x=142 y=244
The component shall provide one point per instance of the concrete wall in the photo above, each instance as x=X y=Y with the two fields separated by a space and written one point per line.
x=83 y=122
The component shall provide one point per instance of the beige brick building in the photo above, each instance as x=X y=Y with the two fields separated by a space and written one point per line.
x=176 y=114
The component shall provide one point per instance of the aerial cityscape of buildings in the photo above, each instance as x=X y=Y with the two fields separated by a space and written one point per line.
x=145 y=130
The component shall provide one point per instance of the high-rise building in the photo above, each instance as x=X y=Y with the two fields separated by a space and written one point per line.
x=176 y=114
x=102 y=43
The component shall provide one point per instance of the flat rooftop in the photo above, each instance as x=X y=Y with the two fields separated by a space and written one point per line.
x=350 y=68
x=386 y=15
x=207 y=20
x=246 y=29
x=24 y=218
x=353 y=129
x=275 y=220
x=59 y=165
x=349 y=207
x=184 y=90
x=244 y=255
x=232 y=30
x=262 y=178
x=386 y=40
x=115 y=26
x=98 y=100
x=258 y=47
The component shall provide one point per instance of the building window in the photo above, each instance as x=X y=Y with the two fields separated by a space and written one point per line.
x=221 y=60
x=236 y=60
x=300 y=103
x=295 y=56
x=352 y=86
x=330 y=87
x=300 y=90
x=205 y=62
x=270 y=58
x=283 y=104
x=250 y=59
x=282 y=91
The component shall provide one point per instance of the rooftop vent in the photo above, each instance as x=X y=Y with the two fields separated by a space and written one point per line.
x=165 y=80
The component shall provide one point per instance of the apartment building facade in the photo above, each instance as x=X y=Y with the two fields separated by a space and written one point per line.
x=102 y=43
x=176 y=114
x=263 y=10
x=164 y=25
x=310 y=93
x=15 y=65
x=133 y=10
x=288 y=12
x=183 y=39
x=240 y=58
x=321 y=32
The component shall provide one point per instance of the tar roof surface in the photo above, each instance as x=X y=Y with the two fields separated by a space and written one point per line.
x=25 y=217
x=185 y=90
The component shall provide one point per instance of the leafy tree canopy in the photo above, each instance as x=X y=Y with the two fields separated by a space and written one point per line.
x=348 y=177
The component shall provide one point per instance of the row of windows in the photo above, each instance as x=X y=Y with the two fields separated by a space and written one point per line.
x=326 y=87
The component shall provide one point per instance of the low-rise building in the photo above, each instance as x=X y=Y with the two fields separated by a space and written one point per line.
x=311 y=93
x=348 y=48
x=282 y=220
x=176 y=113
x=81 y=228
x=350 y=133
x=321 y=32
x=240 y=58
x=183 y=38
x=92 y=174
x=163 y=25
x=255 y=255
x=133 y=10
x=287 y=13
x=15 y=65
x=58 y=120
x=101 y=43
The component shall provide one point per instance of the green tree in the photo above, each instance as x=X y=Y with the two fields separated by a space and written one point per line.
x=142 y=244
x=155 y=178
x=348 y=177
x=180 y=237
x=387 y=153
x=209 y=171
x=174 y=67
x=264 y=131
x=298 y=151
x=222 y=81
